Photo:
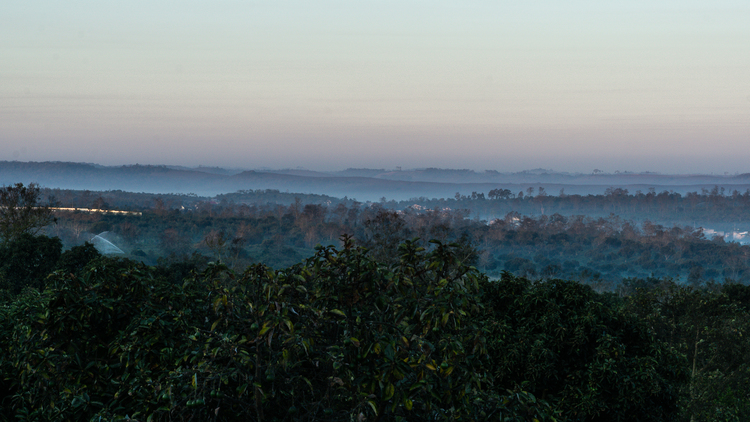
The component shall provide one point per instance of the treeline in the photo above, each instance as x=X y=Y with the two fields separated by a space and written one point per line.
x=342 y=336
x=140 y=201
x=606 y=249
x=716 y=206
x=600 y=250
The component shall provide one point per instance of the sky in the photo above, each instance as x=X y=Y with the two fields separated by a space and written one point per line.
x=635 y=85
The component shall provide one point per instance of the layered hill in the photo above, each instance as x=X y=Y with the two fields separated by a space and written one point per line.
x=362 y=184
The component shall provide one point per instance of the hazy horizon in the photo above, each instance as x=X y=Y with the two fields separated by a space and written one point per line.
x=385 y=169
x=642 y=86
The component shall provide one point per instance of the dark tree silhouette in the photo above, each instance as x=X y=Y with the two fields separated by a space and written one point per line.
x=21 y=212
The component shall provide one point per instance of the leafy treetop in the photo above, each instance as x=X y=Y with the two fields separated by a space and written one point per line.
x=20 y=211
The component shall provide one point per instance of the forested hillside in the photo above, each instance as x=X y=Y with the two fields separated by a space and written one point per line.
x=384 y=326
x=280 y=229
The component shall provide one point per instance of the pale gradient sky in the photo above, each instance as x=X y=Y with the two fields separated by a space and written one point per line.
x=569 y=85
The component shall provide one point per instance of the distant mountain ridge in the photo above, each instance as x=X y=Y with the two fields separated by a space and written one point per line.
x=363 y=184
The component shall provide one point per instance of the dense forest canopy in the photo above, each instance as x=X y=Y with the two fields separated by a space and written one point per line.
x=343 y=336
x=715 y=206
x=193 y=322
x=577 y=237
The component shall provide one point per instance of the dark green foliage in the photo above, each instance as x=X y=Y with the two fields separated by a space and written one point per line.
x=342 y=336
x=26 y=261
x=560 y=341
x=710 y=327
x=339 y=337
x=73 y=261
x=383 y=233
x=738 y=293
x=177 y=270
x=277 y=255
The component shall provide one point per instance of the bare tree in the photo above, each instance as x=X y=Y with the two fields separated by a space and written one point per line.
x=216 y=241
x=21 y=212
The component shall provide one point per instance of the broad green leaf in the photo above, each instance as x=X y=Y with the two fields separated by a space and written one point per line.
x=389 y=391
x=374 y=407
